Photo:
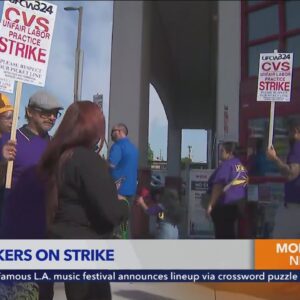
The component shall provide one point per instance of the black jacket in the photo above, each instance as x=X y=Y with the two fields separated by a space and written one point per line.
x=88 y=203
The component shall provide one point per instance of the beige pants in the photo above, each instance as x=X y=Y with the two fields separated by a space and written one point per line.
x=287 y=222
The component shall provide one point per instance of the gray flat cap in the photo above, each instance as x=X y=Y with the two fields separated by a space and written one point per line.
x=44 y=100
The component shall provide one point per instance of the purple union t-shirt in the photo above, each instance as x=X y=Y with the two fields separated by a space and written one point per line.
x=230 y=170
x=30 y=148
x=292 y=188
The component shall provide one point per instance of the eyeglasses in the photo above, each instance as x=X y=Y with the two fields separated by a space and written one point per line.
x=47 y=113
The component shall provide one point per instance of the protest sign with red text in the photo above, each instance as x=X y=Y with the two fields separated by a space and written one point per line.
x=26 y=32
x=275 y=77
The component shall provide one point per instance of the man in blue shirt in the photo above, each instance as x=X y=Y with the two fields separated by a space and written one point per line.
x=123 y=161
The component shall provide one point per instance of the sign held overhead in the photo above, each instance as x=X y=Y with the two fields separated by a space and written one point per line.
x=275 y=77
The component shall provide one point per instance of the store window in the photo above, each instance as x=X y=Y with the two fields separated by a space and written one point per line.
x=263 y=23
x=292 y=15
x=293 y=45
x=269 y=26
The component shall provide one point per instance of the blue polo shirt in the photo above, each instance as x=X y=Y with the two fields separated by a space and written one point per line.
x=30 y=148
x=124 y=156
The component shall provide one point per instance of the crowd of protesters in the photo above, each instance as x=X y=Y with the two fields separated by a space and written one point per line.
x=63 y=189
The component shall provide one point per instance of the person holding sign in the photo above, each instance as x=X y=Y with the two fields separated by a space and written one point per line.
x=32 y=139
x=25 y=219
x=287 y=219
x=6 y=114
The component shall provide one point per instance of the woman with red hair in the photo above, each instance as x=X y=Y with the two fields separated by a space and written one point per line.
x=82 y=201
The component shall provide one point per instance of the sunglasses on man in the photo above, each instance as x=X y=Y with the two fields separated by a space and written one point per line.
x=47 y=113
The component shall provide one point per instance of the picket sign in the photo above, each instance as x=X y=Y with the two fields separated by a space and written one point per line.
x=274 y=82
x=13 y=133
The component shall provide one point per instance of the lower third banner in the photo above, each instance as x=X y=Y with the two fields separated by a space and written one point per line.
x=151 y=275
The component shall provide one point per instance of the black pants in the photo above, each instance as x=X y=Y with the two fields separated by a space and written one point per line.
x=77 y=291
x=224 y=218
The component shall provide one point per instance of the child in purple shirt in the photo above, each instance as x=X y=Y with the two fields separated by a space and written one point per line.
x=166 y=210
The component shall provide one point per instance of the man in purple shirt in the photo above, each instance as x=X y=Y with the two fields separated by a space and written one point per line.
x=26 y=219
x=41 y=113
x=287 y=219
x=31 y=141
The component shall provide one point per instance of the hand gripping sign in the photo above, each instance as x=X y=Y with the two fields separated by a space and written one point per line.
x=274 y=81
x=26 y=31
